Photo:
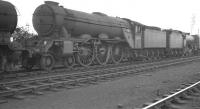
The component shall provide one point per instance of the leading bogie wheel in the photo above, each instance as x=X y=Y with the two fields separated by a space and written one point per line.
x=69 y=61
x=27 y=63
x=47 y=62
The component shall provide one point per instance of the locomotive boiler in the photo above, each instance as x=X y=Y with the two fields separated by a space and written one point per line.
x=8 y=17
x=50 y=18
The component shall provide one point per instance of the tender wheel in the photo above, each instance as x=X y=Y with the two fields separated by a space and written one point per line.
x=146 y=55
x=117 y=54
x=69 y=61
x=152 y=55
x=159 y=55
x=102 y=54
x=85 y=55
x=47 y=62
x=172 y=53
x=156 y=55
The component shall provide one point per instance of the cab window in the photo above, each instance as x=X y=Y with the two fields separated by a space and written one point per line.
x=138 y=29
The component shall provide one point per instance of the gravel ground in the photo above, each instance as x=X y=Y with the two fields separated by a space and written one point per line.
x=129 y=92
x=192 y=104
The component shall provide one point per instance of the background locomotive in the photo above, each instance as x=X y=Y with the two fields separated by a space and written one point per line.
x=8 y=23
x=68 y=37
x=11 y=52
x=193 y=44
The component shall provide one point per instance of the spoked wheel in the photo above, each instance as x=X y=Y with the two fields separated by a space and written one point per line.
x=156 y=55
x=102 y=54
x=176 y=53
x=47 y=62
x=85 y=55
x=117 y=54
x=69 y=61
x=162 y=54
x=172 y=52
x=152 y=55
x=146 y=55
x=159 y=55
x=149 y=54
x=27 y=63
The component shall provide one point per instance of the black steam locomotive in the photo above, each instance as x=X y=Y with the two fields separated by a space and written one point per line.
x=9 y=51
x=68 y=37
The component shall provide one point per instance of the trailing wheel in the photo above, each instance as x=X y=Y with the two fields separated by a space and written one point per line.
x=69 y=61
x=85 y=55
x=47 y=62
x=117 y=53
x=102 y=54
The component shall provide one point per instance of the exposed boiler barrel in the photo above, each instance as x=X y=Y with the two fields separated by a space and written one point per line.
x=50 y=18
x=8 y=17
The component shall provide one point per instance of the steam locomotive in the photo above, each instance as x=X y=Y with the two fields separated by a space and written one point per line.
x=68 y=37
x=9 y=51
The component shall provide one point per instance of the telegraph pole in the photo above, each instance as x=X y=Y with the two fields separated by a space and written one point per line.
x=193 y=23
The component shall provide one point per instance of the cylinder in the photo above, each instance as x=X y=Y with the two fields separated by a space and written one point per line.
x=49 y=18
x=8 y=17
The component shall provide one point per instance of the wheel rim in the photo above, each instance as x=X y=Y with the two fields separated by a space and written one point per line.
x=102 y=55
x=47 y=62
x=117 y=54
x=85 y=55
x=69 y=61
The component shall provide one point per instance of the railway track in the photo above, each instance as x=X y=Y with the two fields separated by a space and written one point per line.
x=16 y=89
x=58 y=70
x=176 y=99
x=13 y=75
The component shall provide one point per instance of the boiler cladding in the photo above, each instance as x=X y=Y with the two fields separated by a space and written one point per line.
x=50 y=18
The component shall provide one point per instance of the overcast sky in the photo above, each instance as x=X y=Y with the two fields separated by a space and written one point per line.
x=175 y=14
